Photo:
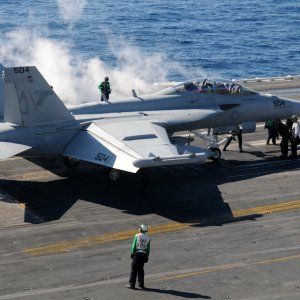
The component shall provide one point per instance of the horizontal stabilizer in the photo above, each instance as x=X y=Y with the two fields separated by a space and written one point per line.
x=8 y=150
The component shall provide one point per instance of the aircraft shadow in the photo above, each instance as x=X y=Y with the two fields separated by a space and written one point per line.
x=182 y=194
x=51 y=200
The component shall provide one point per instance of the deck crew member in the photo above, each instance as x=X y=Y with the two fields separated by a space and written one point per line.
x=272 y=131
x=234 y=133
x=283 y=130
x=140 y=251
x=295 y=138
x=105 y=89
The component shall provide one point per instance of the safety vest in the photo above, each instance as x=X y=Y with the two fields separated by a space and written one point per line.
x=141 y=243
x=296 y=130
x=104 y=86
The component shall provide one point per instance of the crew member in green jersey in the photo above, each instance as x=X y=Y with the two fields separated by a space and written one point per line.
x=105 y=89
x=140 y=251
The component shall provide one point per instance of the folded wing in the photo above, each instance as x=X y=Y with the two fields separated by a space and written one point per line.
x=129 y=146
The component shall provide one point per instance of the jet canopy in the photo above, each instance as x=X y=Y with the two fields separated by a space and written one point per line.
x=209 y=86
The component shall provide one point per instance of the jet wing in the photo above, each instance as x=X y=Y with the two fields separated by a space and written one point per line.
x=128 y=146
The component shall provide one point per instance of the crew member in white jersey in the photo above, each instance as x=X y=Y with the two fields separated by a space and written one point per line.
x=295 y=138
x=140 y=251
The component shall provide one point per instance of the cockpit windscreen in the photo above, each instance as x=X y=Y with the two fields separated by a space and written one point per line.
x=209 y=86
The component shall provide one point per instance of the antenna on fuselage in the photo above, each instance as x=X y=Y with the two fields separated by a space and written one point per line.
x=134 y=93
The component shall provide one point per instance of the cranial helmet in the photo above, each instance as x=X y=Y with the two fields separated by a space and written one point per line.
x=143 y=228
x=294 y=118
x=106 y=78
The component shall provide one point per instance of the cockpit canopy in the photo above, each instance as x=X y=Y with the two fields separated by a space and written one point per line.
x=209 y=86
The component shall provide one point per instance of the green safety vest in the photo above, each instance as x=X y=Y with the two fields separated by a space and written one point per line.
x=141 y=243
x=104 y=87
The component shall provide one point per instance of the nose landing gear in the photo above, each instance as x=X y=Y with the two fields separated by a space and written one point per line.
x=216 y=154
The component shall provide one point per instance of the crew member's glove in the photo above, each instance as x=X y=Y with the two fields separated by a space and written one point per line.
x=131 y=255
x=146 y=259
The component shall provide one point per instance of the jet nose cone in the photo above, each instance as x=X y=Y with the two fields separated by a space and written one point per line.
x=296 y=107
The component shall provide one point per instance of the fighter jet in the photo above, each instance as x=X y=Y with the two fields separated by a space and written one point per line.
x=133 y=133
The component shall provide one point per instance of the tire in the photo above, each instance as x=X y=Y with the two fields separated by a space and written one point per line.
x=216 y=154
x=113 y=175
x=70 y=163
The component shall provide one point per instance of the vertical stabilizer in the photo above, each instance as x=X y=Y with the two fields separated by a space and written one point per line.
x=29 y=100
x=1 y=92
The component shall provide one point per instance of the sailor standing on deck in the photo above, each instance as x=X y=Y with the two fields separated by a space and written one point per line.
x=283 y=130
x=104 y=88
x=237 y=132
x=295 y=139
x=140 y=251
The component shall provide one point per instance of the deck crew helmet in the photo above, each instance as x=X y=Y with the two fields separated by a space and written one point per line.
x=106 y=78
x=143 y=228
x=294 y=118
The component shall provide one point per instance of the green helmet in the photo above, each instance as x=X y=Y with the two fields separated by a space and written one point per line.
x=143 y=228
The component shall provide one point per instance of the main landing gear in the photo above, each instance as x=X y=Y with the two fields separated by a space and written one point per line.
x=70 y=163
x=112 y=175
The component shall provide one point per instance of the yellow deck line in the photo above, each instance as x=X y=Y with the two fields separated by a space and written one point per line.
x=267 y=209
x=155 y=229
x=158 y=277
x=225 y=267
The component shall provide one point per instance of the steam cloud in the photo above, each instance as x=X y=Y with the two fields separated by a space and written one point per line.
x=75 y=79
x=71 y=10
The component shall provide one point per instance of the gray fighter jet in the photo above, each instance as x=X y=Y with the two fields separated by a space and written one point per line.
x=133 y=133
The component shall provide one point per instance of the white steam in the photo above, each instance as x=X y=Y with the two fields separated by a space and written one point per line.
x=71 y=10
x=75 y=79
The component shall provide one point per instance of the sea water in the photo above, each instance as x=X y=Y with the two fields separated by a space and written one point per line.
x=144 y=42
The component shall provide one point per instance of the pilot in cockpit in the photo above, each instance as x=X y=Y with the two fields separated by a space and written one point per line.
x=189 y=86
x=207 y=87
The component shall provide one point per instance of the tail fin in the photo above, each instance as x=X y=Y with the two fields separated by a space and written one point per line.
x=1 y=92
x=29 y=100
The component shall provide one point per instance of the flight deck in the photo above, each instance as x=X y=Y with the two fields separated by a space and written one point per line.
x=220 y=230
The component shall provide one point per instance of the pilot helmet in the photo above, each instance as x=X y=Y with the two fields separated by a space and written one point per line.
x=143 y=228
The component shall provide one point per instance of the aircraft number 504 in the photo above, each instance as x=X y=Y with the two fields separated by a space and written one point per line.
x=102 y=157
x=278 y=103
x=21 y=70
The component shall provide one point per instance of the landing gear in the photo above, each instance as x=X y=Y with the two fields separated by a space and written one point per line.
x=212 y=143
x=216 y=154
x=112 y=175
x=70 y=163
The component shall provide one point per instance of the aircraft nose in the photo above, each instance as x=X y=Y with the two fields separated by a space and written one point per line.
x=296 y=107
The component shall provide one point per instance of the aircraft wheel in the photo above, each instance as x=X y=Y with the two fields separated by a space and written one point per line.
x=70 y=162
x=216 y=154
x=113 y=175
